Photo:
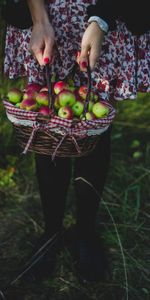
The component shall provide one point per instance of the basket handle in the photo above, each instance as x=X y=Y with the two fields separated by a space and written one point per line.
x=49 y=85
x=88 y=89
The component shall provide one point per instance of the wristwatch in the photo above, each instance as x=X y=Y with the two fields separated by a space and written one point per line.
x=101 y=23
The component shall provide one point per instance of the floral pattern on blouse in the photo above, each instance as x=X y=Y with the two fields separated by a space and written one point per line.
x=121 y=71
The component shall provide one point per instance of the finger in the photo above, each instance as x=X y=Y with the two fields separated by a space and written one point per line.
x=38 y=54
x=48 y=53
x=83 y=59
x=78 y=57
x=94 y=56
x=47 y=61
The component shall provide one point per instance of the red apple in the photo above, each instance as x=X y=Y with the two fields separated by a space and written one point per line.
x=45 y=110
x=65 y=112
x=33 y=87
x=83 y=92
x=78 y=108
x=30 y=94
x=28 y=104
x=66 y=98
x=42 y=98
x=14 y=95
x=100 y=110
x=60 y=86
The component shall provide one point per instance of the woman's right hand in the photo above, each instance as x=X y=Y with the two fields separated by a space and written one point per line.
x=42 y=42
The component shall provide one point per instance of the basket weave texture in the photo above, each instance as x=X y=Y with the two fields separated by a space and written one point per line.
x=56 y=136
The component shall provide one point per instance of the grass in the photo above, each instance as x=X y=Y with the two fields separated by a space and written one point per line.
x=123 y=218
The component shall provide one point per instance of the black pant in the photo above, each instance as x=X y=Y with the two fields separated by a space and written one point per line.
x=89 y=172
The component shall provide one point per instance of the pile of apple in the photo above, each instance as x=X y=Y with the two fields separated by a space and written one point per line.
x=68 y=101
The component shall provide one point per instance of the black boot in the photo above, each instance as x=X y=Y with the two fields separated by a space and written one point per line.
x=90 y=175
x=92 y=263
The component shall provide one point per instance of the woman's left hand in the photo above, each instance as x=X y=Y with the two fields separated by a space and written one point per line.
x=90 y=46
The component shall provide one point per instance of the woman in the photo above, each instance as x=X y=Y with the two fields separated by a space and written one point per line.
x=59 y=30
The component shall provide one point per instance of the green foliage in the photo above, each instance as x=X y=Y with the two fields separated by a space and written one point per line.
x=6 y=179
x=135 y=113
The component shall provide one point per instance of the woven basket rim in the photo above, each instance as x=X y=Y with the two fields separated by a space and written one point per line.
x=10 y=108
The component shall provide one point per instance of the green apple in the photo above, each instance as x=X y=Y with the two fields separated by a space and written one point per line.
x=137 y=154
x=78 y=108
x=60 y=86
x=83 y=93
x=18 y=104
x=135 y=144
x=66 y=98
x=65 y=112
x=100 y=110
x=14 y=95
x=90 y=116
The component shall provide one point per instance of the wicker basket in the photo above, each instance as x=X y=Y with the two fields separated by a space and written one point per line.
x=56 y=136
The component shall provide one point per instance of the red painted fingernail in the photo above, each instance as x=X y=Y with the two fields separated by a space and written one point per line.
x=84 y=64
x=46 y=60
